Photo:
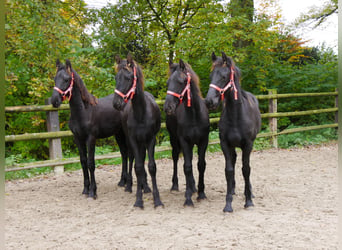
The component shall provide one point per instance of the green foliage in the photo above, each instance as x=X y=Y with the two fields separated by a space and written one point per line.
x=156 y=33
x=307 y=138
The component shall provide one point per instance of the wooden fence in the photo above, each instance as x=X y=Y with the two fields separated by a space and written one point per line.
x=54 y=135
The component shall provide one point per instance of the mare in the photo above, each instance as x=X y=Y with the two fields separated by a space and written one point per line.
x=140 y=120
x=188 y=124
x=239 y=124
x=90 y=119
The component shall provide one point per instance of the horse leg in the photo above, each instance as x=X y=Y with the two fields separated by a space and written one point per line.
x=233 y=157
x=187 y=151
x=175 y=156
x=229 y=173
x=139 y=157
x=246 y=170
x=129 y=179
x=153 y=170
x=91 y=166
x=82 y=149
x=202 y=147
x=129 y=184
x=146 y=188
x=120 y=139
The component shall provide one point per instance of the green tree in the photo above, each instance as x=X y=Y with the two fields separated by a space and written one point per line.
x=318 y=15
x=37 y=33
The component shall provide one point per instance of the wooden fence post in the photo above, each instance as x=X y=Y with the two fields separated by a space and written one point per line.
x=336 y=106
x=272 y=121
x=55 y=145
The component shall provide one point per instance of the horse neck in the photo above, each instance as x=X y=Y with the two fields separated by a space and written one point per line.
x=76 y=103
x=232 y=107
x=139 y=103
x=195 y=108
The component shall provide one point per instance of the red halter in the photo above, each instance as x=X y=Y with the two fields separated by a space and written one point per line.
x=186 y=89
x=131 y=92
x=229 y=84
x=68 y=91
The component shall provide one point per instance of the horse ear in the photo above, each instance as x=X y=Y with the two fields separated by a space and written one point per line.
x=58 y=63
x=224 y=58
x=117 y=59
x=227 y=60
x=130 y=60
x=68 y=66
x=213 y=57
x=172 y=67
x=181 y=64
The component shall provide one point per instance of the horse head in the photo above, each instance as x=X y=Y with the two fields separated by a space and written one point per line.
x=224 y=76
x=67 y=83
x=64 y=81
x=178 y=86
x=126 y=78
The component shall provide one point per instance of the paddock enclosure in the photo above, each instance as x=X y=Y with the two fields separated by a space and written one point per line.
x=295 y=207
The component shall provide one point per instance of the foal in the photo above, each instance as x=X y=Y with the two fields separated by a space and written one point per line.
x=90 y=119
x=188 y=124
x=239 y=124
x=140 y=121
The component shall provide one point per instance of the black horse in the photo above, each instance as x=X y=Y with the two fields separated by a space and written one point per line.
x=141 y=122
x=90 y=118
x=239 y=124
x=188 y=124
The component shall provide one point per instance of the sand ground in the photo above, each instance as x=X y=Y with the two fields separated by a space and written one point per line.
x=295 y=208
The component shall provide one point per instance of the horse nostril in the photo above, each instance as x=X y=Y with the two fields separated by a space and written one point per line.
x=208 y=102
x=170 y=109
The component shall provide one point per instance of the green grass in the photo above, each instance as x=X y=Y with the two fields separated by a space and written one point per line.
x=300 y=139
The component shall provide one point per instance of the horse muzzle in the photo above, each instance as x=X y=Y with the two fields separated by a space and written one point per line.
x=118 y=104
x=169 y=107
x=56 y=99
x=210 y=103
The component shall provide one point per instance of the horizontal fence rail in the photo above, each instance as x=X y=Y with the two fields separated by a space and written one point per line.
x=56 y=135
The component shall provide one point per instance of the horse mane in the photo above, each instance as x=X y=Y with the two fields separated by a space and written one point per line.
x=124 y=64
x=86 y=96
x=195 y=79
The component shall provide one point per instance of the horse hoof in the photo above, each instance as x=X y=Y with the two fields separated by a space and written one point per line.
x=188 y=203
x=94 y=197
x=228 y=209
x=158 y=204
x=174 y=188
x=139 y=204
x=249 y=204
x=85 y=192
x=121 y=183
x=201 y=196
x=128 y=189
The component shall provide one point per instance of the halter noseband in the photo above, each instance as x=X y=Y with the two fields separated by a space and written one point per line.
x=131 y=92
x=186 y=89
x=68 y=91
x=231 y=83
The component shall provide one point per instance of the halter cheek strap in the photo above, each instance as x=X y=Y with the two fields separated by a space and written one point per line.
x=131 y=92
x=230 y=84
x=68 y=91
x=185 y=90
